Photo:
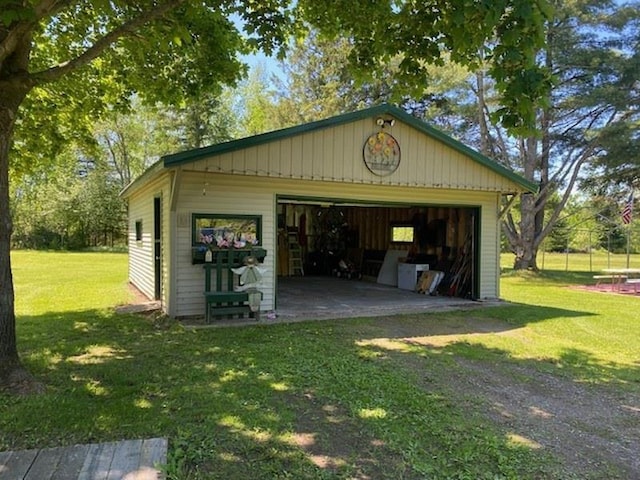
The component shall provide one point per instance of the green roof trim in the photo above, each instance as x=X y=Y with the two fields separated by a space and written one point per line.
x=187 y=156
x=149 y=173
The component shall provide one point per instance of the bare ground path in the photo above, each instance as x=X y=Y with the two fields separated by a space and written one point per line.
x=593 y=429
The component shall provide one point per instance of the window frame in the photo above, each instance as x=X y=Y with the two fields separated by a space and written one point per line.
x=139 y=231
x=395 y=225
x=224 y=218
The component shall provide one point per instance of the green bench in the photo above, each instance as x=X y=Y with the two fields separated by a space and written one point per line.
x=219 y=282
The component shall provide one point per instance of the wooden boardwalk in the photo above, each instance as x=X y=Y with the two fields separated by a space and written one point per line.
x=126 y=460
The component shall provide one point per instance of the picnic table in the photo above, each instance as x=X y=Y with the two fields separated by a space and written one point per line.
x=619 y=277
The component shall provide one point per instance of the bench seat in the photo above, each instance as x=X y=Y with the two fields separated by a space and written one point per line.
x=227 y=304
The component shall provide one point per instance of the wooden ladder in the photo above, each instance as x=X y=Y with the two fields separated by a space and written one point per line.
x=295 y=254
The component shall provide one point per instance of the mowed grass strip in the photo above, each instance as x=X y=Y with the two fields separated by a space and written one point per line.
x=311 y=400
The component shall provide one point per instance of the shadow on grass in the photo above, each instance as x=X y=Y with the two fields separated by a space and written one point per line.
x=307 y=400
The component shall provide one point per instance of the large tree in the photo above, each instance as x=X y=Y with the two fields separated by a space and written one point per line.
x=416 y=35
x=585 y=133
x=317 y=82
x=63 y=61
x=592 y=48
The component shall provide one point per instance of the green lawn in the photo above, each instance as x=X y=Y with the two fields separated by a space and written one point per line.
x=316 y=400
x=578 y=262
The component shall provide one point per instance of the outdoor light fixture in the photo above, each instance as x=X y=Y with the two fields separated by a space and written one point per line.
x=385 y=122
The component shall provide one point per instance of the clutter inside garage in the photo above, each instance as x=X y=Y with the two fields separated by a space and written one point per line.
x=427 y=249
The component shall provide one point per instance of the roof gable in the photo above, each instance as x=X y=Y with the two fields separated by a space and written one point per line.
x=188 y=156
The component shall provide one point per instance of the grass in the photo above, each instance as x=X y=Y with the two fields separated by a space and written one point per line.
x=315 y=400
x=577 y=262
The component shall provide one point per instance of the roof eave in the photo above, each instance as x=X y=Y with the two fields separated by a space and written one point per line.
x=150 y=172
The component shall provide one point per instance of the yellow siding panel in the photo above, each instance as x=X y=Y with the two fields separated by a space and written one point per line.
x=487 y=202
x=335 y=154
x=296 y=157
x=251 y=160
x=317 y=156
x=247 y=181
x=274 y=159
x=338 y=154
x=307 y=157
x=241 y=194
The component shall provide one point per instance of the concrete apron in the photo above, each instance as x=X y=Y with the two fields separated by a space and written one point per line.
x=309 y=298
x=306 y=298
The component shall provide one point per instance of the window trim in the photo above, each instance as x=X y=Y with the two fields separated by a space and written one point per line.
x=139 y=231
x=196 y=217
x=393 y=226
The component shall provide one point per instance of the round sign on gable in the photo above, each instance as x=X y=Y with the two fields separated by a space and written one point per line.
x=381 y=154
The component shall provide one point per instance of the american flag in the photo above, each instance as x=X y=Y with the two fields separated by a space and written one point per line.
x=628 y=210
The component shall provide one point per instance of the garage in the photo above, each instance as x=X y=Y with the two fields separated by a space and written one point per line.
x=373 y=197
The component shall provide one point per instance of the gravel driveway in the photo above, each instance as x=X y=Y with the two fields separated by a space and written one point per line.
x=594 y=429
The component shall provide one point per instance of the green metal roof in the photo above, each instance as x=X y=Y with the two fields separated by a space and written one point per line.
x=187 y=156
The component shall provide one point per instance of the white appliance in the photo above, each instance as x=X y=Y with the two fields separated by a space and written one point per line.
x=408 y=274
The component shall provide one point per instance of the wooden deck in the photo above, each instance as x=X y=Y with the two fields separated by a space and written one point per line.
x=126 y=460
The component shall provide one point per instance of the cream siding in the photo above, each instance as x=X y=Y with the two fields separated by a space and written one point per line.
x=141 y=253
x=233 y=194
x=324 y=163
x=331 y=190
x=489 y=260
x=223 y=198
x=166 y=243
x=335 y=154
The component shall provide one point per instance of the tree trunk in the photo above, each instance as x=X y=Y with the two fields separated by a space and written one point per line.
x=13 y=377
x=482 y=120
x=525 y=249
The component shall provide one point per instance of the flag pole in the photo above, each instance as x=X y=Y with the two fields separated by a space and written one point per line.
x=628 y=243
x=627 y=218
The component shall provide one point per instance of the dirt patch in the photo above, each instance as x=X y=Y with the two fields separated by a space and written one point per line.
x=591 y=428
x=139 y=303
x=594 y=430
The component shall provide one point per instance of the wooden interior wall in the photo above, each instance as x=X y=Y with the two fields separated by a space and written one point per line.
x=373 y=224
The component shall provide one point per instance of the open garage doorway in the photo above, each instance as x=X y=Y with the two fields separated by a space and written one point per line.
x=426 y=250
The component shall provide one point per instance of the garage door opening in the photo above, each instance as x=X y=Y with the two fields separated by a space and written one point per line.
x=424 y=249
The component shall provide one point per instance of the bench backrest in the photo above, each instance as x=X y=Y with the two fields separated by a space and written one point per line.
x=223 y=261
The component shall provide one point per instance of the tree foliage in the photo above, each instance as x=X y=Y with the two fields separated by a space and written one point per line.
x=508 y=33
x=584 y=131
x=595 y=95
x=318 y=83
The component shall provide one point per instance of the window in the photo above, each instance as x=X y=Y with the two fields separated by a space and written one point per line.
x=236 y=231
x=138 y=230
x=402 y=233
